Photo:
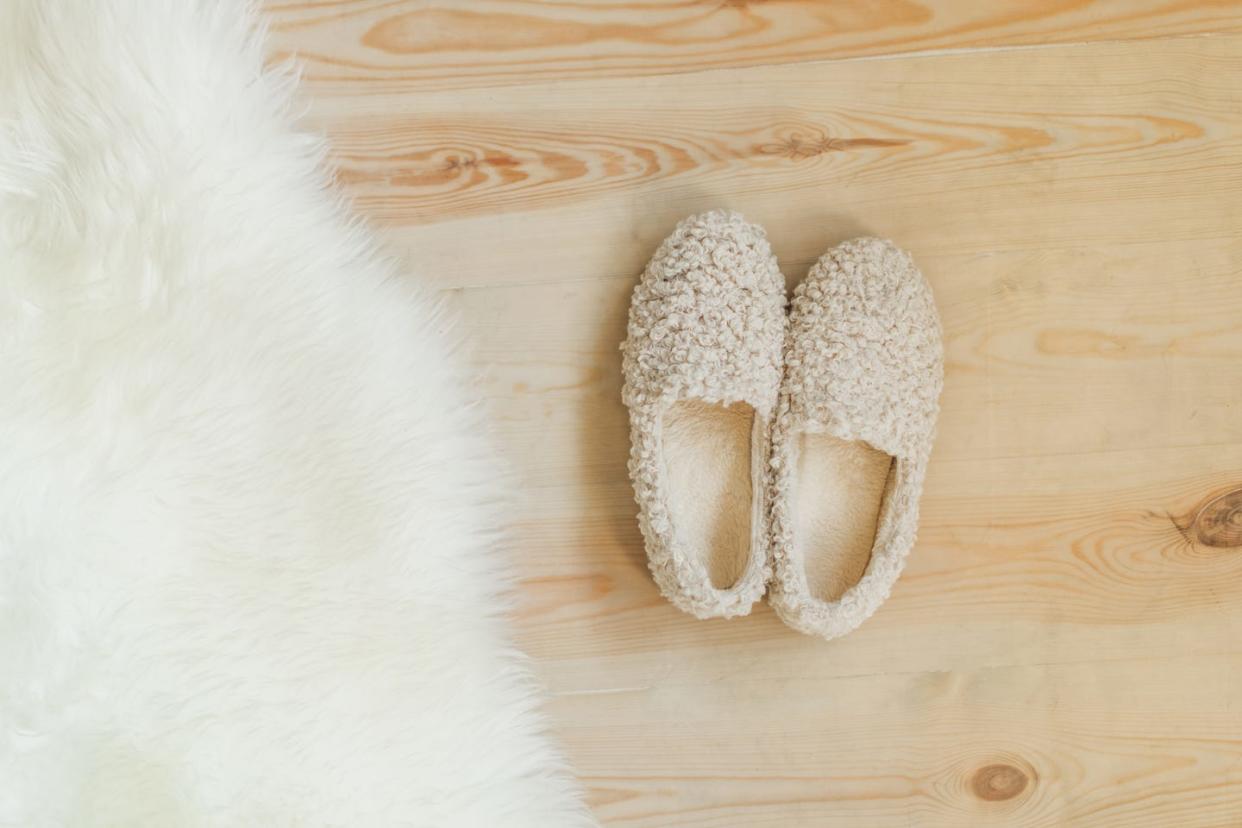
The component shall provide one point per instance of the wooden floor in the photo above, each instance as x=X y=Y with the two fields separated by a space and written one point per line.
x=1066 y=645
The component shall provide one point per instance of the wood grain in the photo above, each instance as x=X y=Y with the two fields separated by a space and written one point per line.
x=917 y=748
x=1063 y=648
x=865 y=132
x=371 y=47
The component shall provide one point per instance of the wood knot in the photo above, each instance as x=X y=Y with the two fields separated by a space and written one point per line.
x=996 y=783
x=1219 y=522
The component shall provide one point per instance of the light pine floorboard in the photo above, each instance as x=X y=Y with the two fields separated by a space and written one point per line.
x=1064 y=648
x=377 y=46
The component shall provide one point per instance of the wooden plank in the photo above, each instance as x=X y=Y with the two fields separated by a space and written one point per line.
x=371 y=47
x=1043 y=350
x=1059 y=559
x=1102 y=744
x=1119 y=144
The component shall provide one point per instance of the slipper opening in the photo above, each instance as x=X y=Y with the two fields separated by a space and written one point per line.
x=707 y=455
x=838 y=497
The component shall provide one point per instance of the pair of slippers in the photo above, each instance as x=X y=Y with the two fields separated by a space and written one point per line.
x=779 y=448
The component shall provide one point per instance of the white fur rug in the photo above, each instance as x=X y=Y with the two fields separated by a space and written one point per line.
x=247 y=542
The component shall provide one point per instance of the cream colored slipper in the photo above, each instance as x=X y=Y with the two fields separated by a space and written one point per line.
x=853 y=431
x=702 y=366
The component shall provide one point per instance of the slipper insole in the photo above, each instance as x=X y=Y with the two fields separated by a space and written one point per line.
x=837 y=497
x=707 y=455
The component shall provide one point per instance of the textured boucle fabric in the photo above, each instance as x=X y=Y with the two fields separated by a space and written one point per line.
x=863 y=361
x=707 y=322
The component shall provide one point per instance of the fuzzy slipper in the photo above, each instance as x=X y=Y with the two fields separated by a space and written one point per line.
x=702 y=365
x=853 y=431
